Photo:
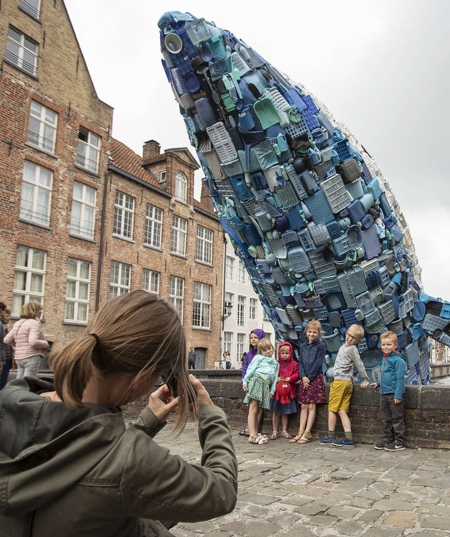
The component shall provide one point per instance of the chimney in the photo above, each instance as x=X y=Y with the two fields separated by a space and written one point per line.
x=150 y=151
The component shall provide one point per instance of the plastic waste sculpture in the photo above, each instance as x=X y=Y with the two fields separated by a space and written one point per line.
x=307 y=209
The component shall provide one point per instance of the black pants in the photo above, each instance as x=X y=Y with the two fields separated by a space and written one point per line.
x=191 y=365
x=393 y=419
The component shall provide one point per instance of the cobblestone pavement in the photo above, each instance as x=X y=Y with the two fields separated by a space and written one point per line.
x=311 y=490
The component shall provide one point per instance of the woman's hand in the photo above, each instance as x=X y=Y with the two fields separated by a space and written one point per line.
x=203 y=398
x=162 y=404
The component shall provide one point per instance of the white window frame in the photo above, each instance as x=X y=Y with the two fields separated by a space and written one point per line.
x=176 y=294
x=229 y=268
x=151 y=281
x=83 y=225
x=201 y=312
x=204 y=247
x=181 y=187
x=36 y=195
x=241 y=311
x=81 y=283
x=42 y=127
x=228 y=342
x=120 y=278
x=162 y=176
x=32 y=7
x=32 y=272
x=179 y=232
x=240 y=345
x=252 y=309
x=123 y=215
x=153 y=226
x=22 y=51
x=88 y=150
x=241 y=272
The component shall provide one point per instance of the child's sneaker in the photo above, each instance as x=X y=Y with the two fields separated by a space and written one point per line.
x=344 y=442
x=327 y=440
x=394 y=446
x=381 y=445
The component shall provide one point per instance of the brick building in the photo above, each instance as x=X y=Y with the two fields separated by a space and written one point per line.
x=80 y=213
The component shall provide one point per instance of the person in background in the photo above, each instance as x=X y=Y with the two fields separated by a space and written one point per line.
x=2 y=335
x=28 y=340
x=283 y=404
x=342 y=386
x=4 y=320
x=192 y=358
x=312 y=388
x=255 y=335
x=392 y=390
x=226 y=357
x=260 y=382
x=103 y=478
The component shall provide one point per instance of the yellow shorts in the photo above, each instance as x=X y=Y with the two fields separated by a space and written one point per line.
x=340 y=394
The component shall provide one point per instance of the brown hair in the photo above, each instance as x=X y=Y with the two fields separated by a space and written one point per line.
x=389 y=335
x=30 y=310
x=134 y=333
x=263 y=345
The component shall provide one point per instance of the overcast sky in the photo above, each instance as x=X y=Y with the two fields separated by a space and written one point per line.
x=382 y=67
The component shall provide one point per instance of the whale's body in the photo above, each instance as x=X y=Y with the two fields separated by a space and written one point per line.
x=308 y=211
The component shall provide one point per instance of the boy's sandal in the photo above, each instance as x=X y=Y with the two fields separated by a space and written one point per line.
x=253 y=440
x=296 y=438
x=262 y=439
x=244 y=431
x=274 y=435
x=305 y=439
x=286 y=435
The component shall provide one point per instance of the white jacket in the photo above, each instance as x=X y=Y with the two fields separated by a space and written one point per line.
x=27 y=338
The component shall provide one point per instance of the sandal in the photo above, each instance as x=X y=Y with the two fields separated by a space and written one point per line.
x=274 y=435
x=244 y=431
x=262 y=439
x=306 y=438
x=253 y=439
x=296 y=438
x=286 y=435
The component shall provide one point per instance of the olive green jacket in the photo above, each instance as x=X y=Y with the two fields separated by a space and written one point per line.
x=84 y=473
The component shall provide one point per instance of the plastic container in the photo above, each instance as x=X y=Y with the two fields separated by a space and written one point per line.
x=221 y=141
x=319 y=208
x=336 y=193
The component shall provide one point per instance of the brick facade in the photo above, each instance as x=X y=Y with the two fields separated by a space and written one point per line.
x=57 y=82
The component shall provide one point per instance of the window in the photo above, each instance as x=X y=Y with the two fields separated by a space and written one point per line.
x=241 y=272
x=153 y=226
x=42 y=127
x=252 y=309
x=202 y=305
x=32 y=7
x=119 y=283
x=21 y=51
x=77 y=290
x=179 y=226
x=240 y=345
x=204 y=245
x=29 y=277
x=123 y=215
x=162 y=176
x=150 y=281
x=176 y=294
x=241 y=311
x=36 y=194
x=88 y=150
x=181 y=187
x=83 y=211
x=229 y=268
x=228 y=342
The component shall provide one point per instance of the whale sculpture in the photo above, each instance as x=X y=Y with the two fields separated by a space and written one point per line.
x=308 y=211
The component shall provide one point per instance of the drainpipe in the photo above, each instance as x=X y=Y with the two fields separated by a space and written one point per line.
x=101 y=245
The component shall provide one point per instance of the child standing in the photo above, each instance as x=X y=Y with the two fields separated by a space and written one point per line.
x=392 y=389
x=283 y=403
x=312 y=387
x=342 y=386
x=255 y=335
x=259 y=383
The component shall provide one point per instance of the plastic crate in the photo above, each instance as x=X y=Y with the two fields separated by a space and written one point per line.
x=445 y=339
x=331 y=283
x=412 y=354
x=336 y=193
x=366 y=174
x=294 y=314
x=348 y=317
x=319 y=208
x=292 y=176
x=343 y=149
x=350 y=241
x=299 y=260
x=321 y=266
x=387 y=311
x=349 y=171
x=313 y=301
x=286 y=195
x=372 y=246
x=374 y=188
x=222 y=142
x=372 y=318
x=445 y=312
x=402 y=340
x=321 y=313
x=355 y=211
x=310 y=119
x=319 y=233
x=290 y=238
x=333 y=342
x=369 y=266
x=431 y=323
x=306 y=240
x=334 y=300
x=355 y=189
x=334 y=318
x=365 y=303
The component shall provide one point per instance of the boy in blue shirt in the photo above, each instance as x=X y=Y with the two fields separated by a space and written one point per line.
x=392 y=389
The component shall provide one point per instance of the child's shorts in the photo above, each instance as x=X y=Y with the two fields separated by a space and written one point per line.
x=340 y=394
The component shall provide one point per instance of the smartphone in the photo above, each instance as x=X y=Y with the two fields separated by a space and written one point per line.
x=171 y=379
